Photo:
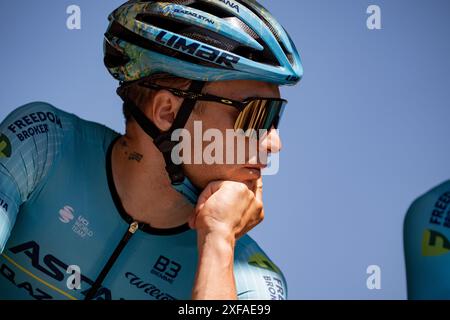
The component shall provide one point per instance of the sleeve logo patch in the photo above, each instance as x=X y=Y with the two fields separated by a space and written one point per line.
x=261 y=261
x=434 y=243
x=5 y=146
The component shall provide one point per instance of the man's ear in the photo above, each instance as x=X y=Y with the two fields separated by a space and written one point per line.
x=165 y=107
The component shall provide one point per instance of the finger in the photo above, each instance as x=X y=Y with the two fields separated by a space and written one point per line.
x=259 y=199
x=210 y=189
x=191 y=220
x=258 y=189
x=249 y=219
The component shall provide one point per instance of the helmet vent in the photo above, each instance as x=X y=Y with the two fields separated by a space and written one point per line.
x=241 y=25
x=121 y=32
x=270 y=26
x=113 y=57
x=224 y=45
x=194 y=32
x=211 y=8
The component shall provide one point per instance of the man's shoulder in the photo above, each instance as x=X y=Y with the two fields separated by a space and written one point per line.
x=430 y=206
x=35 y=117
x=257 y=276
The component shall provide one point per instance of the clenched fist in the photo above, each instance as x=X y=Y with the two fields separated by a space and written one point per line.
x=228 y=208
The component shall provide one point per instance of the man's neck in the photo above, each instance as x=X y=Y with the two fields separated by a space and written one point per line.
x=144 y=187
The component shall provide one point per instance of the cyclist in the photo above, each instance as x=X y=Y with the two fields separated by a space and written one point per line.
x=77 y=198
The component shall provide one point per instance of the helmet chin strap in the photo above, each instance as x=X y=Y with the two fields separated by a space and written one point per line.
x=165 y=145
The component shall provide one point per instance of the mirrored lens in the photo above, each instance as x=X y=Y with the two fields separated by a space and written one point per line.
x=260 y=114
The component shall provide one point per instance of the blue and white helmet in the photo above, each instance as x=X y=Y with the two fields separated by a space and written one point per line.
x=205 y=40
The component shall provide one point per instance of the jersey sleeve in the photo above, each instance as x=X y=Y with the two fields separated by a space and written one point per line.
x=257 y=277
x=30 y=142
x=427 y=245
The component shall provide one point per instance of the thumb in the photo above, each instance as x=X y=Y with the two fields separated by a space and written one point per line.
x=210 y=189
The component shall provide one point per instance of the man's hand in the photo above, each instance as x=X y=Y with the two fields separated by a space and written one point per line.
x=225 y=211
x=228 y=208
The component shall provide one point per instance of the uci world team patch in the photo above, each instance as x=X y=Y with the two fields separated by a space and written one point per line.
x=5 y=146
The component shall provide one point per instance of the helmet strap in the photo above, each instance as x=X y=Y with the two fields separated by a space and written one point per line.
x=163 y=140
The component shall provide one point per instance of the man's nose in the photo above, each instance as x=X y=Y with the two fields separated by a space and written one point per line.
x=271 y=141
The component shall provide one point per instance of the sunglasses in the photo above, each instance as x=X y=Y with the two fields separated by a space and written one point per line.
x=256 y=115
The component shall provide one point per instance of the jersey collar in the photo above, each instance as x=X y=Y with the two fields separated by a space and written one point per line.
x=118 y=203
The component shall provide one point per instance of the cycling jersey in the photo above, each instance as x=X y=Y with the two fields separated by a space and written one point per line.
x=427 y=245
x=59 y=208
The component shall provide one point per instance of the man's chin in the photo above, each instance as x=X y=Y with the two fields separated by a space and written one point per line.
x=246 y=175
x=252 y=173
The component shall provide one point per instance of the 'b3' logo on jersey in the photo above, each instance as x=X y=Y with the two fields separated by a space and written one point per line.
x=166 y=269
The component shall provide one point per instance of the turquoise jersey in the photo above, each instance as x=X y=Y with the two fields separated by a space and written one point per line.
x=59 y=208
x=427 y=245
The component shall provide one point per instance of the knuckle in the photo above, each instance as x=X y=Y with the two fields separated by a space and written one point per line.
x=238 y=187
x=259 y=206
x=233 y=185
x=249 y=194
x=242 y=188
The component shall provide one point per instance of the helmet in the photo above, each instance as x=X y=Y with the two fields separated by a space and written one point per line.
x=203 y=40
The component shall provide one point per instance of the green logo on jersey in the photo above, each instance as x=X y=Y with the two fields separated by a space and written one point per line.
x=5 y=146
x=261 y=261
x=434 y=243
